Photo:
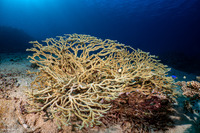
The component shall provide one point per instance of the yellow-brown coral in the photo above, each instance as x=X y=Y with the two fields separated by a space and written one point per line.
x=78 y=72
x=190 y=88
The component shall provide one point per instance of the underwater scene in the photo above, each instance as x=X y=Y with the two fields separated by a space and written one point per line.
x=99 y=66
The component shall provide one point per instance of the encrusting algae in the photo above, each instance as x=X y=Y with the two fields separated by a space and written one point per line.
x=77 y=73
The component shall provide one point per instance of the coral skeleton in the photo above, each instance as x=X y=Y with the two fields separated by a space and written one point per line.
x=78 y=73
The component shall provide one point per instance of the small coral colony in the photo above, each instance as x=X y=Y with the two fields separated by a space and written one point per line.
x=83 y=81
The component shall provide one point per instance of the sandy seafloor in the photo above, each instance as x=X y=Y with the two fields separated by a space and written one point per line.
x=14 y=66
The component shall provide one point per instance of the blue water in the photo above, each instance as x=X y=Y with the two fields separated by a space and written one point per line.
x=167 y=28
x=162 y=27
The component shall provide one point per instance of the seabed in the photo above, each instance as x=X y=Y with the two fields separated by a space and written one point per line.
x=13 y=85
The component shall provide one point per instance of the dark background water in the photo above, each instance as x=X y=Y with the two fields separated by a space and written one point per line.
x=168 y=28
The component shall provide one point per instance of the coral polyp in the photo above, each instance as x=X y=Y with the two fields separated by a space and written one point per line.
x=77 y=73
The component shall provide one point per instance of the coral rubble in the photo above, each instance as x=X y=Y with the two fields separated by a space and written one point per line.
x=80 y=74
x=191 y=104
x=7 y=84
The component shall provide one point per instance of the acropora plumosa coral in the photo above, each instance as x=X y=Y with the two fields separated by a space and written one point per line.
x=77 y=73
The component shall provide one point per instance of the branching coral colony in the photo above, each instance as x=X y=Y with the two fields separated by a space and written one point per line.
x=77 y=73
